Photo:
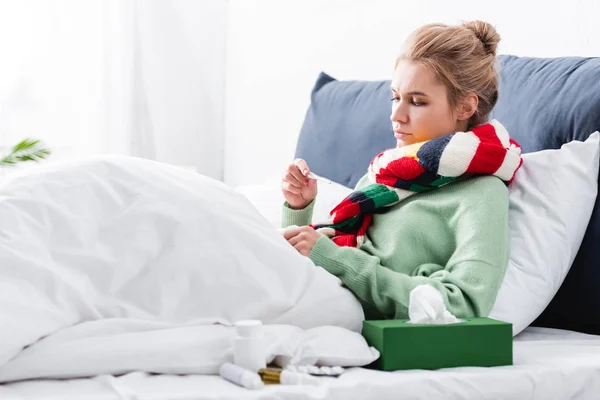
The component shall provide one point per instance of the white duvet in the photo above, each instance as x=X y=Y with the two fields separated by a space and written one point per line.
x=115 y=264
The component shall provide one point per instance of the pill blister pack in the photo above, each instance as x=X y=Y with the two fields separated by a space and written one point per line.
x=314 y=370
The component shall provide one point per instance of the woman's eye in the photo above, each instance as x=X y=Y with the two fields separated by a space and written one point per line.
x=413 y=102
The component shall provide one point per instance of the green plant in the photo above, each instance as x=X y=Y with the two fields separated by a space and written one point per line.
x=26 y=150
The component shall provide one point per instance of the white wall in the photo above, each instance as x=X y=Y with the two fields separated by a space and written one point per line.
x=276 y=48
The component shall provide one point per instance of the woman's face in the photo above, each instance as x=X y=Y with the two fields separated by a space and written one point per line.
x=420 y=107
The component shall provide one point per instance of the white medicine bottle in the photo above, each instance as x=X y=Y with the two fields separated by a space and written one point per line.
x=249 y=345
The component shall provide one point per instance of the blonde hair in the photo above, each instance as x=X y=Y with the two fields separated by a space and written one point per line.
x=463 y=57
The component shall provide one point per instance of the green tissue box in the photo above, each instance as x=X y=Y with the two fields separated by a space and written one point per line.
x=476 y=342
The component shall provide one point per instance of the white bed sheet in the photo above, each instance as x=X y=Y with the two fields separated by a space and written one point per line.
x=549 y=364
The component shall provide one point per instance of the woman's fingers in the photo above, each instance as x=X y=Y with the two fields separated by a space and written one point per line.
x=291 y=188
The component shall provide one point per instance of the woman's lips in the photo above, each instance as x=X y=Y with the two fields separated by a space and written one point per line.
x=401 y=135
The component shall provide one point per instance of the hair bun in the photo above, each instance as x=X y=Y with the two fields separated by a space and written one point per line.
x=486 y=33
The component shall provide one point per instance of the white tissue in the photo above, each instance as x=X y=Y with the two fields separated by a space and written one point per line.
x=426 y=306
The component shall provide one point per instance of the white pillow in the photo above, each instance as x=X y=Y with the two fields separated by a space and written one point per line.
x=324 y=346
x=551 y=202
x=268 y=199
x=327 y=346
x=116 y=346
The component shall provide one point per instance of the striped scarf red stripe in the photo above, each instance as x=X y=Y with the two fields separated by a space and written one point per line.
x=401 y=172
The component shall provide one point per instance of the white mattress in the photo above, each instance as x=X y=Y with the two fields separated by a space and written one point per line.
x=549 y=364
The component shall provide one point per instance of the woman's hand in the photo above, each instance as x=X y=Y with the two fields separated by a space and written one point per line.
x=303 y=238
x=298 y=190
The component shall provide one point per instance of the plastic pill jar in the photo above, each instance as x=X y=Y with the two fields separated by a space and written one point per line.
x=249 y=345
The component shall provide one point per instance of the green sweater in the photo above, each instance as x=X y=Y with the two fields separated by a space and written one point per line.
x=455 y=238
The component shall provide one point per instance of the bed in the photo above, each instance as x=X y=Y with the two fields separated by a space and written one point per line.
x=548 y=364
x=558 y=357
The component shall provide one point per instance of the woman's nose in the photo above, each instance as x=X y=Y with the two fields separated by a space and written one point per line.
x=399 y=114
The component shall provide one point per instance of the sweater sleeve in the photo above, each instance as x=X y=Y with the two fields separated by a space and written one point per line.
x=301 y=217
x=469 y=282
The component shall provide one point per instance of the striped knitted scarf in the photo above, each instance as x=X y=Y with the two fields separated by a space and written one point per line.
x=398 y=173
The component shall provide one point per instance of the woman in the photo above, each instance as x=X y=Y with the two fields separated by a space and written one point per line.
x=447 y=225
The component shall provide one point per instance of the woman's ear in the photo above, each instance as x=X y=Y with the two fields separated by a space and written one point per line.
x=467 y=107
